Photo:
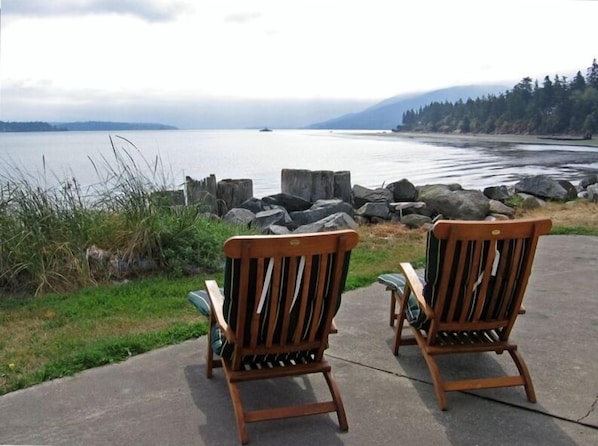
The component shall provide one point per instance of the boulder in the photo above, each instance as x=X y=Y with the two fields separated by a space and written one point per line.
x=496 y=207
x=319 y=210
x=277 y=216
x=544 y=187
x=290 y=202
x=240 y=216
x=276 y=230
x=435 y=189
x=499 y=193
x=374 y=210
x=455 y=203
x=587 y=181
x=402 y=190
x=414 y=221
x=531 y=202
x=333 y=222
x=255 y=205
x=362 y=195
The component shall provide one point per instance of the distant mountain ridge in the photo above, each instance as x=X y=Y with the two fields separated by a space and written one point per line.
x=388 y=113
x=37 y=126
x=109 y=125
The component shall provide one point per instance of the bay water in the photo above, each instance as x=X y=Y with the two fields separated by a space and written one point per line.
x=373 y=159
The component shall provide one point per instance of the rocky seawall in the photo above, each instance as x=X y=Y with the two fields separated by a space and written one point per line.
x=315 y=201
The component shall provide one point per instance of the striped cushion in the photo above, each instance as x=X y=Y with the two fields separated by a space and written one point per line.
x=231 y=283
x=201 y=300
x=429 y=279
x=396 y=282
x=220 y=345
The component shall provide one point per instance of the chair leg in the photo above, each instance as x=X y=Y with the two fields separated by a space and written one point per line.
x=400 y=317
x=436 y=379
x=210 y=352
x=235 y=396
x=338 y=402
x=393 y=307
x=524 y=372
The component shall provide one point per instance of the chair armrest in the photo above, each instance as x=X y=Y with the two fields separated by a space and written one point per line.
x=415 y=285
x=216 y=305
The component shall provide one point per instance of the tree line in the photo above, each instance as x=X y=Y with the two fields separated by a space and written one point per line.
x=34 y=126
x=557 y=107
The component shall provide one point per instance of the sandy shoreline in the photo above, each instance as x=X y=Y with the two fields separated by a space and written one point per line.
x=469 y=138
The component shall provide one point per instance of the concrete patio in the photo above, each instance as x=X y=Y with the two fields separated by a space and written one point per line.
x=163 y=397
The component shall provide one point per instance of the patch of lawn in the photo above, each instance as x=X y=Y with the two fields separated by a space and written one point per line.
x=60 y=334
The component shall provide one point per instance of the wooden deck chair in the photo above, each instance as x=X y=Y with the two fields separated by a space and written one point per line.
x=475 y=279
x=280 y=296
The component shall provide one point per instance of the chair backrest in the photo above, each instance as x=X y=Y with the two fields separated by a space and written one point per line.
x=281 y=293
x=477 y=273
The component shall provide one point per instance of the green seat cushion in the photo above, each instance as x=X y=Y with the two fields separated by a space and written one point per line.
x=396 y=281
x=201 y=300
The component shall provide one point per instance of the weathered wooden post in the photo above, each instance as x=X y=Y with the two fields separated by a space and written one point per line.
x=342 y=185
x=231 y=193
x=202 y=193
x=296 y=182
x=322 y=185
x=307 y=184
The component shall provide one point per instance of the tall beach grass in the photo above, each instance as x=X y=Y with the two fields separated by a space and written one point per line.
x=63 y=237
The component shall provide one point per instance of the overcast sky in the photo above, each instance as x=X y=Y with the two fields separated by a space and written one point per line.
x=236 y=63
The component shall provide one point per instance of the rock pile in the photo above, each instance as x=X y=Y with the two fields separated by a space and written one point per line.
x=319 y=207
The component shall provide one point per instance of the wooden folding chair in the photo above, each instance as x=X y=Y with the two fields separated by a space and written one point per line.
x=475 y=279
x=274 y=317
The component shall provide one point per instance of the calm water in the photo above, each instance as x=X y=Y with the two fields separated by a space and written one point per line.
x=373 y=160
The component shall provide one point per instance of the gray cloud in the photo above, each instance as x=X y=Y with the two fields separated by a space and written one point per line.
x=28 y=103
x=150 y=10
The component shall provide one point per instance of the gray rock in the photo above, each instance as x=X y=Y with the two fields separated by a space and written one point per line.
x=255 y=205
x=319 y=210
x=277 y=230
x=531 y=202
x=362 y=195
x=290 y=202
x=456 y=203
x=375 y=209
x=414 y=221
x=435 y=189
x=593 y=193
x=570 y=188
x=239 y=216
x=264 y=219
x=499 y=193
x=589 y=180
x=333 y=222
x=544 y=187
x=496 y=207
x=402 y=190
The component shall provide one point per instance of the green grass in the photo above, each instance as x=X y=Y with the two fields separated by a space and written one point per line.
x=57 y=335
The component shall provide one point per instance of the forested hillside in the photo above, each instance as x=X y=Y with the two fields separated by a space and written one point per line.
x=556 y=107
